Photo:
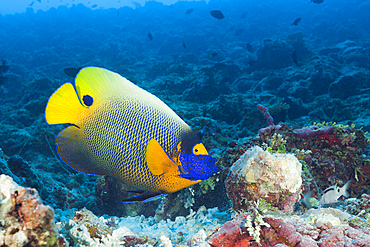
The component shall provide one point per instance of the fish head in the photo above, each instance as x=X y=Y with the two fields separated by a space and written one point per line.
x=194 y=161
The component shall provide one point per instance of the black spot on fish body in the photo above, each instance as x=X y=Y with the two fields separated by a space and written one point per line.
x=189 y=11
x=150 y=36
x=295 y=23
x=94 y=6
x=72 y=72
x=217 y=14
x=294 y=56
x=88 y=100
x=328 y=189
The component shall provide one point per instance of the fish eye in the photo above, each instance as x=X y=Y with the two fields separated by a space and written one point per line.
x=199 y=149
x=88 y=100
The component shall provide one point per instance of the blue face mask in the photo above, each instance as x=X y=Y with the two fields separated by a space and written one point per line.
x=197 y=164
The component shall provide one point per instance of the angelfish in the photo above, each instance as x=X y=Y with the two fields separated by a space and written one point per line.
x=121 y=130
x=332 y=194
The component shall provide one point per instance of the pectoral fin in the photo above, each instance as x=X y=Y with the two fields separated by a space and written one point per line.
x=158 y=160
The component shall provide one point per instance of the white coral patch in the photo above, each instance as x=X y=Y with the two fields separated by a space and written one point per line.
x=275 y=172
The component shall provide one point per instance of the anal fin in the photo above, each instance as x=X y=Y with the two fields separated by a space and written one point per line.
x=145 y=197
x=72 y=151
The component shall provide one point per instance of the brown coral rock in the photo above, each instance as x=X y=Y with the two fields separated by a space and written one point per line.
x=25 y=220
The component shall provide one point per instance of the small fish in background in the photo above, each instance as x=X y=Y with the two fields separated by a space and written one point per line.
x=72 y=72
x=184 y=45
x=217 y=14
x=150 y=36
x=306 y=199
x=332 y=194
x=317 y=1
x=3 y=68
x=3 y=79
x=295 y=23
x=189 y=11
x=120 y=130
x=94 y=6
x=214 y=54
x=249 y=48
x=294 y=57
x=31 y=4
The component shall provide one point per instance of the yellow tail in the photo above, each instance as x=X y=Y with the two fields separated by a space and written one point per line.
x=63 y=106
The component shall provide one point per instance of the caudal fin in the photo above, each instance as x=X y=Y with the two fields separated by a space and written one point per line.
x=344 y=189
x=63 y=106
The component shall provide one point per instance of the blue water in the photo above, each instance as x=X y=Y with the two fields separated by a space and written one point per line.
x=197 y=64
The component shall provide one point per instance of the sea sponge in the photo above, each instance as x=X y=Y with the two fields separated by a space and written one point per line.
x=260 y=174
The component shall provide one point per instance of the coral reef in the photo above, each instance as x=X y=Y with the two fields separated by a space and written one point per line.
x=336 y=153
x=24 y=220
x=275 y=54
x=258 y=174
x=87 y=229
x=215 y=84
x=318 y=227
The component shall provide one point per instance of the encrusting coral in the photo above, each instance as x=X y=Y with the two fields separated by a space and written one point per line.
x=260 y=174
x=24 y=220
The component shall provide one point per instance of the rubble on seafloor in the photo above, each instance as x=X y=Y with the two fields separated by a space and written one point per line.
x=262 y=213
x=30 y=225
x=25 y=221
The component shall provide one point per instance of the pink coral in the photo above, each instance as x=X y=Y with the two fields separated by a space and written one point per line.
x=230 y=235
x=313 y=131
x=266 y=114
x=292 y=231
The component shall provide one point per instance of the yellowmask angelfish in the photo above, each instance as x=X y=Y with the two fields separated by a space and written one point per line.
x=121 y=130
